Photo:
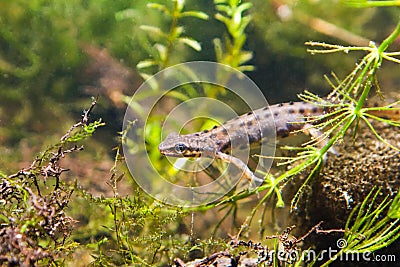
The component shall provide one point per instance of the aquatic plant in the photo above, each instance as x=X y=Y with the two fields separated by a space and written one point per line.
x=349 y=111
x=35 y=228
x=230 y=52
x=166 y=41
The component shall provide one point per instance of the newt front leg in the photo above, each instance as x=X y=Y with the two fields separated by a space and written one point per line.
x=241 y=165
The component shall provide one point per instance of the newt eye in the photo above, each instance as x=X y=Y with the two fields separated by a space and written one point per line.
x=181 y=148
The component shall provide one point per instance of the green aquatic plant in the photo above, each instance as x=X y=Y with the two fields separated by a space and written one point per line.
x=167 y=41
x=230 y=52
x=346 y=104
x=140 y=231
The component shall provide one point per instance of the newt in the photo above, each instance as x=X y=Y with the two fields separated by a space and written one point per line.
x=251 y=128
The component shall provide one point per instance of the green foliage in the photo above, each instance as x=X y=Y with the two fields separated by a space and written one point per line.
x=349 y=110
x=36 y=230
x=394 y=209
x=165 y=49
x=369 y=232
x=85 y=132
x=141 y=231
x=231 y=13
x=283 y=27
x=166 y=40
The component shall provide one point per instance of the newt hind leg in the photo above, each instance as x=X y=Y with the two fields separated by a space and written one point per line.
x=319 y=137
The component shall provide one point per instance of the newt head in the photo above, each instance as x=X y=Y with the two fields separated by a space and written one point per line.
x=189 y=145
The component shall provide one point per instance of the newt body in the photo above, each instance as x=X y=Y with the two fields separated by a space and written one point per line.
x=253 y=128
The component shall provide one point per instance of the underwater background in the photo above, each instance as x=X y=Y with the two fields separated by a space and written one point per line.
x=56 y=55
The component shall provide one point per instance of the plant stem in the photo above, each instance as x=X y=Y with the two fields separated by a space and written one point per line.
x=171 y=36
x=390 y=39
x=380 y=50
